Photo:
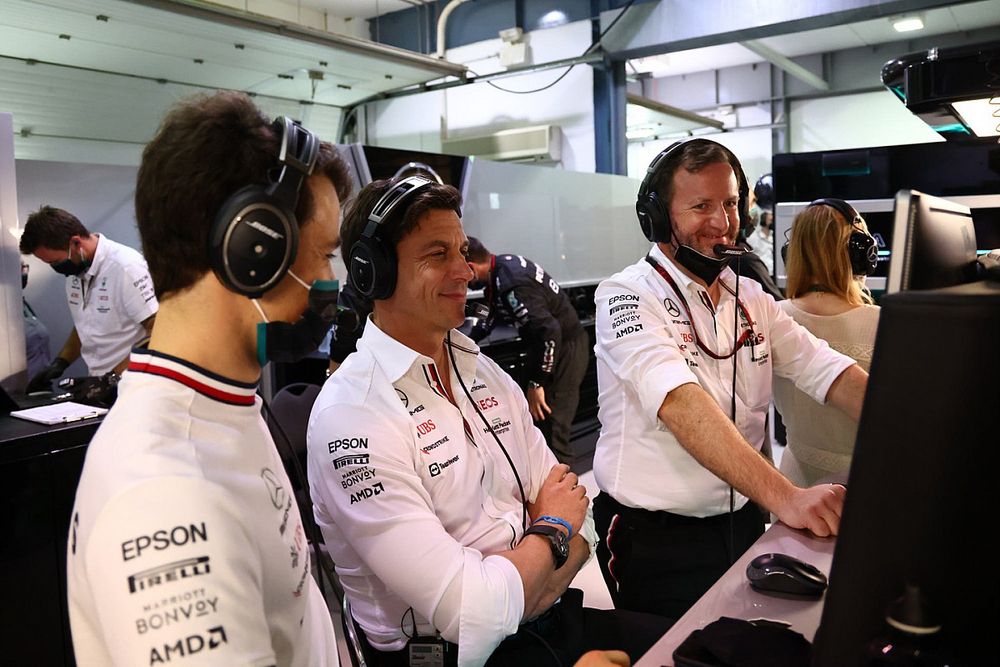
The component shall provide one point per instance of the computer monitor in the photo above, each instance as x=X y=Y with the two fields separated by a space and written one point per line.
x=933 y=243
x=921 y=493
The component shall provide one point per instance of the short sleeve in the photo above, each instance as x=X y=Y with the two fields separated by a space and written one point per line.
x=634 y=340
x=177 y=546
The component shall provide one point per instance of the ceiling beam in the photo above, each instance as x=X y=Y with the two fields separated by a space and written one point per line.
x=668 y=26
x=668 y=110
x=786 y=64
x=235 y=17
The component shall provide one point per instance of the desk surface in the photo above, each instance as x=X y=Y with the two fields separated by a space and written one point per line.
x=732 y=596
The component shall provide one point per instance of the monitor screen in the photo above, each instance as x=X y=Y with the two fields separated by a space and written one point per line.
x=933 y=243
x=921 y=493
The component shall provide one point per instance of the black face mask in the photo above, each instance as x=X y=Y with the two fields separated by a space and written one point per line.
x=287 y=342
x=704 y=267
x=69 y=268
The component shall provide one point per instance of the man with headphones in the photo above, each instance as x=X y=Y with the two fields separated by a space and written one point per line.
x=685 y=356
x=186 y=539
x=454 y=530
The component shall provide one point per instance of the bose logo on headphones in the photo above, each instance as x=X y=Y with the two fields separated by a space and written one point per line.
x=263 y=229
x=362 y=260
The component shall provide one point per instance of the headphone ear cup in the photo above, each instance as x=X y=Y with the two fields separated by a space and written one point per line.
x=252 y=242
x=863 y=253
x=653 y=218
x=784 y=254
x=373 y=268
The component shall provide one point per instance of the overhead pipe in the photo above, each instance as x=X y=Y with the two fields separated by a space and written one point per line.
x=442 y=22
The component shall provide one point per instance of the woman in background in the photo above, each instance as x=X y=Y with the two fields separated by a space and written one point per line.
x=827 y=258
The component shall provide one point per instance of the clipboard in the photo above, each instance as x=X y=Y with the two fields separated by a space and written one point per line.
x=59 y=413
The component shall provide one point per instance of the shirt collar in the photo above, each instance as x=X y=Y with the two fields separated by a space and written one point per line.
x=99 y=254
x=396 y=359
x=205 y=382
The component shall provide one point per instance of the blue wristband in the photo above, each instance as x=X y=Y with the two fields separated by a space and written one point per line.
x=554 y=519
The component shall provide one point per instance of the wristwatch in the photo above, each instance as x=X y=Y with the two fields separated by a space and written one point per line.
x=534 y=385
x=557 y=540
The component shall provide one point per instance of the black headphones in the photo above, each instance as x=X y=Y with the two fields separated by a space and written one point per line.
x=255 y=235
x=654 y=216
x=862 y=249
x=372 y=266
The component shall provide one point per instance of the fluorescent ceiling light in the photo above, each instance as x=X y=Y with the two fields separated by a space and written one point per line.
x=908 y=23
x=982 y=116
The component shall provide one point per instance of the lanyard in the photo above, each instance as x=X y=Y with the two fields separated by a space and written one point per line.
x=748 y=334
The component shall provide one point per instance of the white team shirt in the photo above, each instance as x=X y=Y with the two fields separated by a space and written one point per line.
x=186 y=544
x=413 y=495
x=108 y=303
x=646 y=348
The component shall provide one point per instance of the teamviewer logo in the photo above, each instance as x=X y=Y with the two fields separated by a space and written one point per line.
x=434 y=469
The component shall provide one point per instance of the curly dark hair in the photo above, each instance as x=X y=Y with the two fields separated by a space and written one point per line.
x=207 y=148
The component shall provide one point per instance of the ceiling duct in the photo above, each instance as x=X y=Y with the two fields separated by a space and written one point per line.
x=540 y=143
x=956 y=91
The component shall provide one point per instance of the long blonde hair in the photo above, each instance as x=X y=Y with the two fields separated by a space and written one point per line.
x=817 y=256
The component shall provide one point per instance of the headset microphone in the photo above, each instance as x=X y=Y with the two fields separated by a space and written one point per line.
x=346 y=319
x=724 y=250
x=478 y=310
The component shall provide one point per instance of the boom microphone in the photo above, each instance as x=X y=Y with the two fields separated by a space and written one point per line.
x=723 y=250
x=477 y=310
x=346 y=319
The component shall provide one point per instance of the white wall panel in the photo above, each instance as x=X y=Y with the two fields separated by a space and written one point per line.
x=855 y=121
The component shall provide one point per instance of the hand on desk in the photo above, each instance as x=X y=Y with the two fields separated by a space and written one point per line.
x=816 y=509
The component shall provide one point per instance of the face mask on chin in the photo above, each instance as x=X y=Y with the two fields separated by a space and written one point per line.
x=290 y=342
x=702 y=266
x=68 y=268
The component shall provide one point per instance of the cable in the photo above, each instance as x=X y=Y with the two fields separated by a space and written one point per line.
x=736 y=341
x=520 y=486
x=593 y=45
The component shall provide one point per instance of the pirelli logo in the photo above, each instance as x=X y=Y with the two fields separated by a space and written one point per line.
x=352 y=460
x=176 y=571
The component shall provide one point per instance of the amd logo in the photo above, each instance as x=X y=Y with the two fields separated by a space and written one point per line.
x=189 y=645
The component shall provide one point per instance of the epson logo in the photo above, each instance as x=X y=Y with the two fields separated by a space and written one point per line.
x=263 y=229
x=348 y=443
x=171 y=572
x=351 y=460
x=189 y=645
x=164 y=539
x=622 y=297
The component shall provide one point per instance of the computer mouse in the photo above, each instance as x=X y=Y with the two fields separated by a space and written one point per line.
x=781 y=573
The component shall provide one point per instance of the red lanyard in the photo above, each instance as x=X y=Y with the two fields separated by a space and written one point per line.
x=748 y=334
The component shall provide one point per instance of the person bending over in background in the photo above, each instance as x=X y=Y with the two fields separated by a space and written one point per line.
x=548 y=324
x=108 y=288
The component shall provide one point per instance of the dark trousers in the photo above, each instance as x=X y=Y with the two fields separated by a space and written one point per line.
x=561 y=636
x=661 y=563
x=562 y=393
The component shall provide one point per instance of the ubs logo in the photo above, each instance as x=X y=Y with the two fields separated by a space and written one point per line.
x=671 y=307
